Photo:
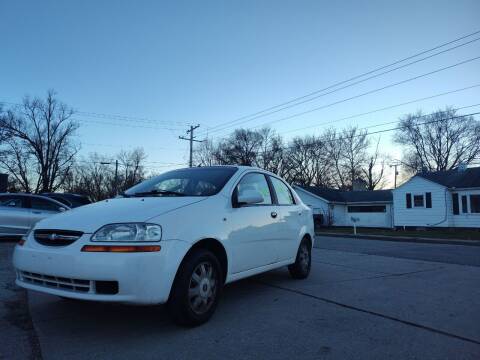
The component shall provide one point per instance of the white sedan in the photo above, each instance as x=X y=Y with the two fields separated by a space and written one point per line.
x=176 y=238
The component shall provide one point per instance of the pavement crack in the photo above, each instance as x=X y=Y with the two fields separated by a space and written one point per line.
x=348 y=267
x=374 y=313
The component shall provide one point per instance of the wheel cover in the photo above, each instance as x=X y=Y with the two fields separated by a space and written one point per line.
x=203 y=288
x=304 y=257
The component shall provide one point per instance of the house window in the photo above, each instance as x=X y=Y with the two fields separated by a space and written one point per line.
x=475 y=203
x=409 y=200
x=418 y=200
x=367 y=209
x=455 y=207
x=428 y=200
x=464 y=204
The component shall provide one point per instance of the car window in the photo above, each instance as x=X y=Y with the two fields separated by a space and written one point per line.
x=62 y=200
x=43 y=204
x=258 y=182
x=284 y=195
x=187 y=182
x=11 y=202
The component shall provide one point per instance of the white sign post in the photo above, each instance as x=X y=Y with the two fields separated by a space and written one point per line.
x=354 y=220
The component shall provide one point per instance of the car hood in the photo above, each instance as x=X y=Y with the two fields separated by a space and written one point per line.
x=90 y=218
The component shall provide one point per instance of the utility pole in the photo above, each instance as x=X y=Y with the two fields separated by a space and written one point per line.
x=116 y=174
x=191 y=139
x=116 y=177
x=395 y=165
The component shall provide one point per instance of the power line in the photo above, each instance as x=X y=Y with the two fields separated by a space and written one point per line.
x=124 y=125
x=106 y=160
x=381 y=109
x=121 y=146
x=362 y=94
x=398 y=127
x=129 y=118
x=358 y=77
x=124 y=118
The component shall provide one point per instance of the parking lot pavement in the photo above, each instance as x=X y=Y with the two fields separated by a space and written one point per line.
x=17 y=335
x=352 y=306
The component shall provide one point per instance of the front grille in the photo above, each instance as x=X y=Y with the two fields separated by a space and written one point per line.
x=62 y=283
x=56 y=237
x=69 y=284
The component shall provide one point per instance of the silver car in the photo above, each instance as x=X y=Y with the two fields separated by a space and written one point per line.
x=18 y=212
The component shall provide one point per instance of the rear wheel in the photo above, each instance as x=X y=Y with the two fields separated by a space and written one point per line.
x=300 y=269
x=196 y=289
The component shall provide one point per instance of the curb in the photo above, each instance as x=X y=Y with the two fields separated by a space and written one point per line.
x=404 y=239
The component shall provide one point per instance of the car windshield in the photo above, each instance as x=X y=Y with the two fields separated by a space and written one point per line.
x=185 y=182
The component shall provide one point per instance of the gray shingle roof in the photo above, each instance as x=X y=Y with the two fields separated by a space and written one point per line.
x=350 y=196
x=455 y=178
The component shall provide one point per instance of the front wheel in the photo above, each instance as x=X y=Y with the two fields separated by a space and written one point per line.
x=196 y=289
x=300 y=269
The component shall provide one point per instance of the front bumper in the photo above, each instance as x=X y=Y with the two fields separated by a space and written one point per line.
x=143 y=278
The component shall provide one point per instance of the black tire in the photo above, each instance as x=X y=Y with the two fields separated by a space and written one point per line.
x=186 y=308
x=300 y=269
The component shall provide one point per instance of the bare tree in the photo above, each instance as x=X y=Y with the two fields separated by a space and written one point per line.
x=334 y=150
x=204 y=153
x=240 y=148
x=306 y=162
x=133 y=165
x=354 y=143
x=93 y=177
x=39 y=150
x=374 y=169
x=439 y=141
x=271 y=152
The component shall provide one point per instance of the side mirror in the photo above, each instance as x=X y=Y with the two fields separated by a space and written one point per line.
x=249 y=197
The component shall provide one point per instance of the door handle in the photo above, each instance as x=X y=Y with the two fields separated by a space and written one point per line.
x=273 y=214
x=36 y=212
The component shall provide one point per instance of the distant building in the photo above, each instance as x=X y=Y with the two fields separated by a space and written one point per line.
x=340 y=208
x=439 y=199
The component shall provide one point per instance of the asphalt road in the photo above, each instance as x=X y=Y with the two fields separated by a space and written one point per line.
x=355 y=305
x=450 y=254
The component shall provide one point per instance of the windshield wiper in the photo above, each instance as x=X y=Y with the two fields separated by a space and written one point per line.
x=158 y=192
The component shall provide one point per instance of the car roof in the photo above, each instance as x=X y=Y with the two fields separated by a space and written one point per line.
x=34 y=195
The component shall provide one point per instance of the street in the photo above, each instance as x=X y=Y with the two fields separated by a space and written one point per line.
x=364 y=299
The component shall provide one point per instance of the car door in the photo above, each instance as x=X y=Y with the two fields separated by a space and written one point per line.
x=252 y=228
x=289 y=216
x=14 y=215
x=41 y=208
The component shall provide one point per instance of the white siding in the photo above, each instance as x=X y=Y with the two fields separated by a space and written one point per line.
x=440 y=213
x=339 y=215
x=468 y=219
x=318 y=205
x=381 y=220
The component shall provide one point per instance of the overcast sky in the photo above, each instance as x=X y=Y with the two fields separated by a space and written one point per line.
x=210 y=62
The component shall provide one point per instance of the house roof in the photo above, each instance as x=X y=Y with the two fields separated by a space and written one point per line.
x=467 y=178
x=350 y=196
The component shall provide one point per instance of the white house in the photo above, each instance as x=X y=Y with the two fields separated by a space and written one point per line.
x=340 y=208
x=439 y=199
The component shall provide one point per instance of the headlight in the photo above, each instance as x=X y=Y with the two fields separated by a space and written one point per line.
x=130 y=232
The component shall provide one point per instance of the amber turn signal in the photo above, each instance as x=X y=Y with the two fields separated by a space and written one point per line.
x=21 y=242
x=121 y=248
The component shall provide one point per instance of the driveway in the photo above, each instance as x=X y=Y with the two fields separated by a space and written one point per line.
x=354 y=305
